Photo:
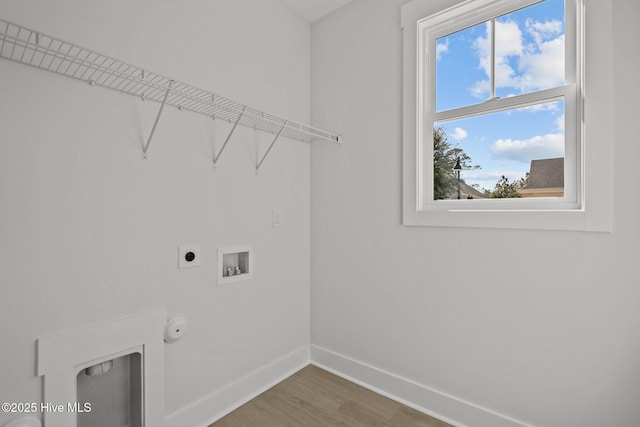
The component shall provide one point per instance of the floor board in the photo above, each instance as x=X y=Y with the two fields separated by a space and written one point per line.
x=313 y=397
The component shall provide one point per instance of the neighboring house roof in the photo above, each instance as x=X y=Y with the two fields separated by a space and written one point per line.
x=465 y=191
x=470 y=191
x=546 y=173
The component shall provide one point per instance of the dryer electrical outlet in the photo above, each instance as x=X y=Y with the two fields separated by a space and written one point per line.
x=189 y=256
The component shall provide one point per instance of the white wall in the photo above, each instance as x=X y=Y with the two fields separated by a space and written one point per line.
x=526 y=327
x=90 y=232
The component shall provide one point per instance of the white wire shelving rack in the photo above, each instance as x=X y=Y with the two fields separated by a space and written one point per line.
x=33 y=48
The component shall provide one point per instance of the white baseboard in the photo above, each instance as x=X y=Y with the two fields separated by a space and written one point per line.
x=440 y=405
x=219 y=403
x=420 y=397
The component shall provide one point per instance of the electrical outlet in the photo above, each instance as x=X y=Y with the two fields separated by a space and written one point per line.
x=189 y=256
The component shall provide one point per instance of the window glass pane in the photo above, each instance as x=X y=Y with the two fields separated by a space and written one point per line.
x=513 y=153
x=530 y=49
x=529 y=56
x=457 y=69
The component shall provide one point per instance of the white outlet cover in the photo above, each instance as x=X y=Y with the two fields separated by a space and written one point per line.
x=189 y=256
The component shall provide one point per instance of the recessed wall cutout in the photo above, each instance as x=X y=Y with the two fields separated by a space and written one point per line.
x=111 y=392
x=235 y=264
x=117 y=366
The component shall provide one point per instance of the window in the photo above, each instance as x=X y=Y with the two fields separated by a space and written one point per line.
x=493 y=129
x=498 y=98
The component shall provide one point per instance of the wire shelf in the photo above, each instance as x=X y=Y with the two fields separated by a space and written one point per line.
x=38 y=50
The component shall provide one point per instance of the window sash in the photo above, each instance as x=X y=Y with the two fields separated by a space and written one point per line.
x=472 y=12
x=455 y=19
x=496 y=105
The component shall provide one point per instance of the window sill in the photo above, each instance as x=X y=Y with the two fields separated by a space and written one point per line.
x=569 y=220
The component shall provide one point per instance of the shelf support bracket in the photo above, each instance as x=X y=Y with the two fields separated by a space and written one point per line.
x=216 y=157
x=155 y=124
x=270 y=147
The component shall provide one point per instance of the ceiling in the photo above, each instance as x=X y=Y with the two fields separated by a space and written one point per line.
x=314 y=9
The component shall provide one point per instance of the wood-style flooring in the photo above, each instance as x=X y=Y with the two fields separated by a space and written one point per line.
x=313 y=397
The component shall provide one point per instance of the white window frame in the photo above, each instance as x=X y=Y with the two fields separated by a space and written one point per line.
x=424 y=21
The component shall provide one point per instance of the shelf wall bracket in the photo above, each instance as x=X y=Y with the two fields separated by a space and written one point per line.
x=39 y=50
x=216 y=157
x=155 y=124
x=258 y=164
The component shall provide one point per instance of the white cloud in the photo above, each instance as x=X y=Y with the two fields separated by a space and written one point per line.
x=542 y=31
x=481 y=88
x=538 y=147
x=545 y=67
x=560 y=123
x=459 y=134
x=509 y=40
x=488 y=179
x=441 y=48
x=538 y=64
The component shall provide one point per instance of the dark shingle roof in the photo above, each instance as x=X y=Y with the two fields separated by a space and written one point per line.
x=465 y=190
x=546 y=173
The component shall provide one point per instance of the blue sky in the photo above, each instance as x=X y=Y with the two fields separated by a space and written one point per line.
x=529 y=57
